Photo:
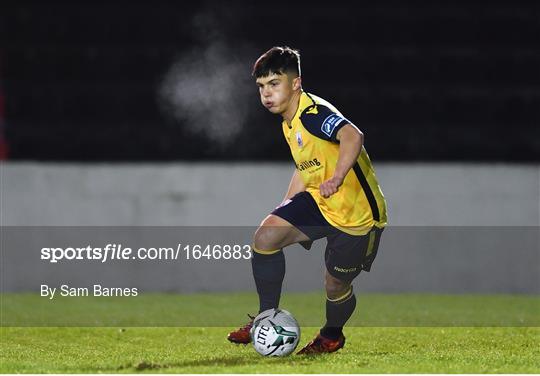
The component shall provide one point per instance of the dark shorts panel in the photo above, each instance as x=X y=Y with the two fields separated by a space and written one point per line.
x=347 y=255
x=303 y=213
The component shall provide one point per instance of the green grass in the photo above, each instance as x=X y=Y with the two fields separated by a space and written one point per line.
x=150 y=310
x=446 y=348
x=205 y=350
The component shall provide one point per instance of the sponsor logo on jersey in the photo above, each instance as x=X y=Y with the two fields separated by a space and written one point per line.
x=299 y=139
x=308 y=164
x=330 y=123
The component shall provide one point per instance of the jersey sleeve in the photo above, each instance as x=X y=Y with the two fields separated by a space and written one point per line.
x=322 y=122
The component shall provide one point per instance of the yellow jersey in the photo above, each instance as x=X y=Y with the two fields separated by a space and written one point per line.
x=359 y=203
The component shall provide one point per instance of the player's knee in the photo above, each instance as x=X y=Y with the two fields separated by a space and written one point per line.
x=335 y=288
x=266 y=239
x=270 y=234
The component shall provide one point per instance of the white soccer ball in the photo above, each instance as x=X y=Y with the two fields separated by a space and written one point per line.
x=275 y=332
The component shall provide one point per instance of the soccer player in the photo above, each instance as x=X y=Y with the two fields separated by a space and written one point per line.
x=333 y=194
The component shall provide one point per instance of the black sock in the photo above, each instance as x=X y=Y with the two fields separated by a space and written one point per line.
x=337 y=314
x=268 y=272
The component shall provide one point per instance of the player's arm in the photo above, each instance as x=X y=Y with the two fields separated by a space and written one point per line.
x=295 y=186
x=350 y=140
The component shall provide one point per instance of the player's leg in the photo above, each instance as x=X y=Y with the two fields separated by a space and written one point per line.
x=340 y=305
x=345 y=257
x=268 y=261
x=296 y=220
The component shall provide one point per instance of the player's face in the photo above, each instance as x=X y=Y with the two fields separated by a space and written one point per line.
x=276 y=92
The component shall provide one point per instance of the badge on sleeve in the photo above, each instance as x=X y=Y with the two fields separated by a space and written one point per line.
x=330 y=123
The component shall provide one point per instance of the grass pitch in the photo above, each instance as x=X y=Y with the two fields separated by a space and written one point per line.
x=369 y=349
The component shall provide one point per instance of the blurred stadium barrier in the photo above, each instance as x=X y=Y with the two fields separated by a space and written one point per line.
x=201 y=194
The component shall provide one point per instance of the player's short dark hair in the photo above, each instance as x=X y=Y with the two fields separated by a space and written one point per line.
x=277 y=60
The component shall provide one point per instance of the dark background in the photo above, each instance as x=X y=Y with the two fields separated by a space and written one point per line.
x=431 y=81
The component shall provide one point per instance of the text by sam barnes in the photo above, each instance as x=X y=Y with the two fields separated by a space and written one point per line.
x=94 y=290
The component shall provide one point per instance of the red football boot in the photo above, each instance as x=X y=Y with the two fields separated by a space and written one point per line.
x=321 y=345
x=242 y=335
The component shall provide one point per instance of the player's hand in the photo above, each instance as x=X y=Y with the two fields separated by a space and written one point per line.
x=331 y=186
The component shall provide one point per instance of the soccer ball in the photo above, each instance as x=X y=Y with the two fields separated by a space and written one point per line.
x=275 y=332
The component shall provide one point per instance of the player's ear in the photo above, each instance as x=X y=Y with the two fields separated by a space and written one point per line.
x=297 y=83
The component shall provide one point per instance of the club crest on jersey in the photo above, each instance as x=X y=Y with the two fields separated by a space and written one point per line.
x=299 y=139
x=330 y=123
